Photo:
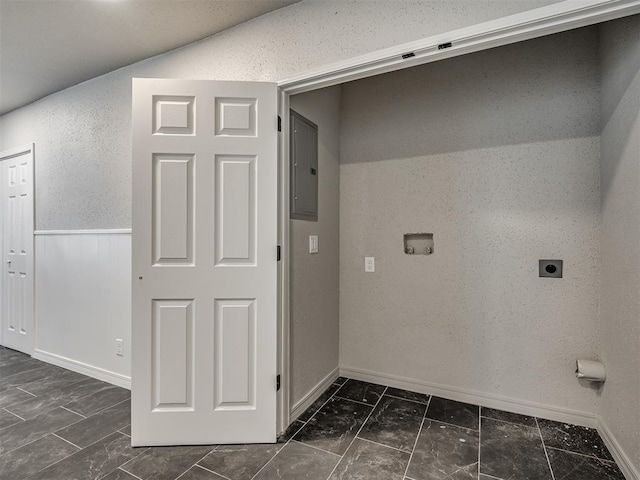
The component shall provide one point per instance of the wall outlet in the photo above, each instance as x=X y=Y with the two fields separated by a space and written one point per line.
x=369 y=264
x=119 y=347
x=550 y=268
x=313 y=244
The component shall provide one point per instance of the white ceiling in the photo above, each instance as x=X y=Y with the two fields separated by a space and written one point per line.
x=49 y=45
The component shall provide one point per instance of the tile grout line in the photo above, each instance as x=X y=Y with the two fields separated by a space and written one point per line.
x=304 y=424
x=14 y=414
x=57 y=461
x=32 y=394
x=97 y=411
x=81 y=397
x=297 y=431
x=121 y=467
x=270 y=460
x=125 y=471
x=207 y=470
x=462 y=469
x=583 y=455
x=195 y=464
x=290 y=439
x=424 y=416
x=544 y=447
x=102 y=438
x=383 y=445
x=42 y=394
x=356 y=401
x=29 y=443
x=55 y=388
x=410 y=400
x=320 y=408
x=77 y=421
x=359 y=430
x=69 y=410
x=507 y=421
x=454 y=425
x=32 y=441
x=315 y=448
x=70 y=443
x=58 y=406
x=479 y=436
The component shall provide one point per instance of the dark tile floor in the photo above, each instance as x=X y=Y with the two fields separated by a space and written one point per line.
x=56 y=424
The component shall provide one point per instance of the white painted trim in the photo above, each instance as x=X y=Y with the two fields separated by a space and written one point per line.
x=14 y=152
x=619 y=455
x=105 y=231
x=284 y=322
x=305 y=402
x=475 y=397
x=535 y=23
x=83 y=368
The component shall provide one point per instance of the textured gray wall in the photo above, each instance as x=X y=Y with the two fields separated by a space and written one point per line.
x=314 y=278
x=82 y=134
x=620 y=311
x=496 y=154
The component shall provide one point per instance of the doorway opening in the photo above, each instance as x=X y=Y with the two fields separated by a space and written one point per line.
x=496 y=155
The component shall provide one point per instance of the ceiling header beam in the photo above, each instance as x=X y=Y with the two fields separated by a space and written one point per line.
x=539 y=22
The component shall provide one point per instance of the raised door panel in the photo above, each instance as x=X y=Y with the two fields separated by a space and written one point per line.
x=235 y=347
x=172 y=340
x=173 y=209
x=236 y=117
x=173 y=115
x=236 y=209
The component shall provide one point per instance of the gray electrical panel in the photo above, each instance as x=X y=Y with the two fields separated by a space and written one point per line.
x=304 y=168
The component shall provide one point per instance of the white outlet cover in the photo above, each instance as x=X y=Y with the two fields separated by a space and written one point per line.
x=369 y=264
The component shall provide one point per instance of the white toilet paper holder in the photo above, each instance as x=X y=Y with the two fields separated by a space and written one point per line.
x=591 y=370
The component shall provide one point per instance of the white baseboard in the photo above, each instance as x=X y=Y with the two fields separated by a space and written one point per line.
x=306 y=401
x=619 y=455
x=475 y=397
x=83 y=368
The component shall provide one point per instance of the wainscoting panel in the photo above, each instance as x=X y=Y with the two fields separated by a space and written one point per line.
x=83 y=300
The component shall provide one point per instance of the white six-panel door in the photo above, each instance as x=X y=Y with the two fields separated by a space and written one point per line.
x=16 y=308
x=204 y=262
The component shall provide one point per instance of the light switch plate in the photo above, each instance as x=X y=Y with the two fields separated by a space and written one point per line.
x=313 y=244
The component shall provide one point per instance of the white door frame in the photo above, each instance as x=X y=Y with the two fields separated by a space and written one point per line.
x=6 y=155
x=539 y=22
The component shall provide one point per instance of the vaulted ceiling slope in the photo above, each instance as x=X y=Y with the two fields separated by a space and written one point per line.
x=49 y=45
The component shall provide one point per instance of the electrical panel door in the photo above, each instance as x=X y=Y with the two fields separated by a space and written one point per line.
x=304 y=168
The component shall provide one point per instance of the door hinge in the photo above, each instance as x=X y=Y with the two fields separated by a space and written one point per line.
x=278 y=253
x=278 y=383
x=279 y=123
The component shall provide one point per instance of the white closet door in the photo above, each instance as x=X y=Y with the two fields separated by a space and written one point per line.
x=204 y=262
x=17 y=248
